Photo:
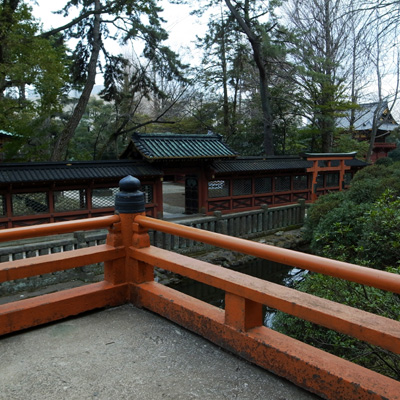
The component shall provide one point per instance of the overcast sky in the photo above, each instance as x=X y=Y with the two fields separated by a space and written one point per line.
x=181 y=26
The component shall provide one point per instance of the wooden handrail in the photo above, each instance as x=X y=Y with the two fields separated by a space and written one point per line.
x=357 y=323
x=129 y=263
x=351 y=272
x=57 y=228
x=239 y=327
x=49 y=263
x=113 y=290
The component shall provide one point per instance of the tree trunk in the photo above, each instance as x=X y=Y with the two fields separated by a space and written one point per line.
x=264 y=92
x=327 y=87
x=376 y=123
x=378 y=111
x=353 y=90
x=224 y=79
x=67 y=134
x=371 y=144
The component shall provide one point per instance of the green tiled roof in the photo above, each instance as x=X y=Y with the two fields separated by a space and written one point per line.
x=260 y=165
x=67 y=171
x=175 y=146
x=277 y=163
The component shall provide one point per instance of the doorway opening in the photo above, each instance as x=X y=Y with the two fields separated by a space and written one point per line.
x=173 y=198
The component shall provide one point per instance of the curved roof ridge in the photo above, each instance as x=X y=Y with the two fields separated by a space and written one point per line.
x=161 y=146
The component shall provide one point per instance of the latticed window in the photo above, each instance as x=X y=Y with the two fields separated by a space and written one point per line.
x=332 y=179
x=218 y=188
x=263 y=185
x=300 y=182
x=348 y=176
x=320 y=181
x=282 y=183
x=104 y=197
x=241 y=187
x=69 y=200
x=323 y=163
x=3 y=206
x=148 y=193
x=30 y=203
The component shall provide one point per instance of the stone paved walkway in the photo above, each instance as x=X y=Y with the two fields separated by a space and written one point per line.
x=128 y=353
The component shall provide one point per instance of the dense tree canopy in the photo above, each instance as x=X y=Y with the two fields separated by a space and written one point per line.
x=318 y=40
x=269 y=84
x=121 y=21
x=29 y=64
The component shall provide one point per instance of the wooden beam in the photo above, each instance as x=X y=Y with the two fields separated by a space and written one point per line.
x=51 y=307
x=45 y=264
x=374 y=329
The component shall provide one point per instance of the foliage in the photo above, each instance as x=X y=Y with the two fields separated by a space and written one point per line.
x=316 y=37
x=361 y=226
x=33 y=81
x=94 y=129
x=344 y=143
x=230 y=72
x=386 y=161
x=395 y=154
x=319 y=210
x=34 y=136
x=371 y=182
x=337 y=234
x=257 y=77
x=122 y=22
x=379 y=241
x=366 y=233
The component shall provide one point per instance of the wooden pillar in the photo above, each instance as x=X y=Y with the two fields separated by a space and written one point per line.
x=314 y=170
x=241 y=313
x=158 y=198
x=203 y=192
x=9 y=213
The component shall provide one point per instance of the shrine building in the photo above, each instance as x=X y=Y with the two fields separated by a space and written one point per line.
x=215 y=178
x=367 y=118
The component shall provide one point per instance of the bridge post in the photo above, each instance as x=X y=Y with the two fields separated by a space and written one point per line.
x=241 y=313
x=265 y=218
x=129 y=202
x=302 y=204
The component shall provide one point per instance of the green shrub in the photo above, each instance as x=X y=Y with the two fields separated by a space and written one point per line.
x=319 y=210
x=370 y=172
x=361 y=226
x=379 y=242
x=364 y=191
x=395 y=154
x=386 y=161
x=338 y=232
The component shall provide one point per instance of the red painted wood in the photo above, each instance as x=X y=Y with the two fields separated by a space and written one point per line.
x=52 y=307
x=345 y=319
x=46 y=264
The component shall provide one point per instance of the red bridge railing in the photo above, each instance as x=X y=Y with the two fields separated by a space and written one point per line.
x=129 y=263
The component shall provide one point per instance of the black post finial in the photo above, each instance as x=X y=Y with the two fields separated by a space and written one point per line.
x=129 y=200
